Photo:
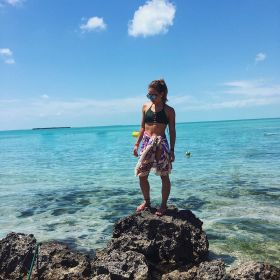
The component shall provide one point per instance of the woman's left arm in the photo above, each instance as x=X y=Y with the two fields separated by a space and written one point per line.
x=172 y=131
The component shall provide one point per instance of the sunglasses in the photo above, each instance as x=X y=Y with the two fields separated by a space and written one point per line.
x=152 y=96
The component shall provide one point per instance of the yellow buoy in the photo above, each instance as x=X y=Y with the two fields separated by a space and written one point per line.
x=135 y=133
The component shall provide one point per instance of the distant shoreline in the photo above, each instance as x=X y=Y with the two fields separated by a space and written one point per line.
x=180 y=122
x=55 y=127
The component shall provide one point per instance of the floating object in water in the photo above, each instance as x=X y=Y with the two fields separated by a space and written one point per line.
x=135 y=133
x=269 y=133
x=188 y=154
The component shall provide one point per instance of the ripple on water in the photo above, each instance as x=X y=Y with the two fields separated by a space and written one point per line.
x=58 y=203
x=256 y=227
x=192 y=202
x=228 y=259
x=229 y=192
x=52 y=226
x=269 y=194
x=244 y=249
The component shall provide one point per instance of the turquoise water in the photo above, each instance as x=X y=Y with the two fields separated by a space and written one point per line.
x=73 y=184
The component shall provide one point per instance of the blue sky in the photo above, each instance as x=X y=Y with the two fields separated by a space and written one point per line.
x=88 y=63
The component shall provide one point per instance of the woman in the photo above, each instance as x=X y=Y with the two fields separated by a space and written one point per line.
x=155 y=153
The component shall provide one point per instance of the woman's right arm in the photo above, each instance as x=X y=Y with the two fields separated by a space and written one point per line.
x=141 y=132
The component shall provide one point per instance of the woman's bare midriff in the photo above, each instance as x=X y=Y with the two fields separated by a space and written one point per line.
x=157 y=129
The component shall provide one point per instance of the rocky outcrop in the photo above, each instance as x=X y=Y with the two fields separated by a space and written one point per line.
x=120 y=265
x=57 y=259
x=16 y=253
x=176 y=237
x=143 y=247
x=255 y=270
x=208 y=270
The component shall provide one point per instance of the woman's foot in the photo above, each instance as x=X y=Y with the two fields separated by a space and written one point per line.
x=161 y=210
x=145 y=204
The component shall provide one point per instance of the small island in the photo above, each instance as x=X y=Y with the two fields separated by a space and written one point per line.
x=55 y=127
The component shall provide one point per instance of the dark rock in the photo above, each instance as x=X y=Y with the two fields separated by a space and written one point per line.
x=212 y=270
x=175 y=237
x=16 y=253
x=56 y=261
x=208 y=270
x=255 y=271
x=120 y=265
x=143 y=247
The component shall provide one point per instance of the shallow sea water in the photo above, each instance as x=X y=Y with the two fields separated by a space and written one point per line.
x=73 y=184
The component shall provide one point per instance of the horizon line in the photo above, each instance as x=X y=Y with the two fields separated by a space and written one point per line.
x=226 y=120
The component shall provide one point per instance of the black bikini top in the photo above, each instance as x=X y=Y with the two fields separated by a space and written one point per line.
x=156 y=117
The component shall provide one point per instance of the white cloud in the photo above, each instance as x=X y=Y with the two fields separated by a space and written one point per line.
x=241 y=84
x=10 y=61
x=6 y=52
x=130 y=106
x=203 y=104
x=260 y=57
x=178 y=100
x=94 y=23
x=14 y=3
x=36 y=112
x=76 y=107
x=155 y=17
x=238 y=103
x=257 y=88
x=8 y=101
x=235 y=94
x=45 y=111
x=7 y=55
x=45 y=96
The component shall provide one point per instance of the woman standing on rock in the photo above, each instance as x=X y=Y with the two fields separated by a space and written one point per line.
x=155 y=153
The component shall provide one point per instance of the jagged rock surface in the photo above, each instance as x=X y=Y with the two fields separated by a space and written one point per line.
x=16 y=253
x=57 y=261
x=120 y=265
x=255 y=271
x=143 y=247
x=208 y=270
x=175 y=237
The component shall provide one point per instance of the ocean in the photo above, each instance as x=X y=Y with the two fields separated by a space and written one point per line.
x=72 y=184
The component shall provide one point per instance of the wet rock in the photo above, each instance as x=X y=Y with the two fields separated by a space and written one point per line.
x=208 y=270
x=255 y=271
x=175 y=237
x=120 y=265
x=16 y=253
x=57 y=261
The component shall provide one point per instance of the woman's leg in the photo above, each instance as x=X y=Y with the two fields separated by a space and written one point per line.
x=145 y=188
x=165 y=191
